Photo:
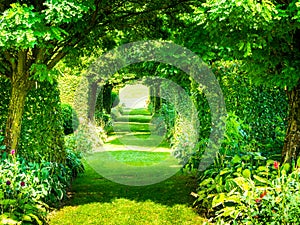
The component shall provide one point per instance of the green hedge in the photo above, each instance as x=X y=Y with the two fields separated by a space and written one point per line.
x=67 y=86
x=42 y=127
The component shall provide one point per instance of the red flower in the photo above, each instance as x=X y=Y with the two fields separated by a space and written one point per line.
x=276 y=165
x=263 y=194
x=12 y=151
x=257 y=200
x=22 y=183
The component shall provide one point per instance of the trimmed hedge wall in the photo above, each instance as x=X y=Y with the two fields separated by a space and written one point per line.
x=42 y=126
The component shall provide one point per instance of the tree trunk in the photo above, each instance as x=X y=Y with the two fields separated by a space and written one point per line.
x=20 y=86
x=292 y=140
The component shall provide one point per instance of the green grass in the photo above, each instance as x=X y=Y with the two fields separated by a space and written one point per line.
x=139 y=158
x=134 y=118
x=138 y=111
x=143 y=140
x=159 y=193
x=131 y=127
x=97 y=200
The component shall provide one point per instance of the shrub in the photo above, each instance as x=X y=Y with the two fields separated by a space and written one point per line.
x=276 y=201
x=249 y=189
x=27 y=189
x=105 y=120
x=257 y=114
x=74 y=162
x=164 y=121
x=87 y=138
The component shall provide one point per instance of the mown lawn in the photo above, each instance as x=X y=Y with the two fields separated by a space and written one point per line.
x=97 y=200
x=165 y=199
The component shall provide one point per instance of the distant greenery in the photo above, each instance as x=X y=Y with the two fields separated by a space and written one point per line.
x=137 y=111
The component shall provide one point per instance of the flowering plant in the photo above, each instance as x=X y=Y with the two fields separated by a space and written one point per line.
x=26 y=187
x=261 y=201
x=18 y=201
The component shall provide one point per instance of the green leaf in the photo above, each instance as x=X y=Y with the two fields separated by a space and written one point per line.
x=36 y=219
x=229 y=211
x=241 y=45
x=246 y=173
x=260 y=179
x=233 y=198
x=262 y=168
x=286 y=167
x=242 y=183
x=224 y=171
x=206 y=182
x=8 y=202
x=248 y=49
x=218 y=200
x=236 y=159
x=26 y=218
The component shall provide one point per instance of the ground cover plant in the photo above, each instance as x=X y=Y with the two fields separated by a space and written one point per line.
x=250 y=189
x=28 y=190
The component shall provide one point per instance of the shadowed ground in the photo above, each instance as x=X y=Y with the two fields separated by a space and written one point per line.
x=97 y=200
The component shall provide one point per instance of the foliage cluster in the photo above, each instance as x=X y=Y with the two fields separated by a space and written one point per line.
x=115 y=99
x=262 y=109
x=67 y=86
x=248 y=188
x=164 y=120
x=87 y=138
x=29 y=189
x=256 y=119
x=257 y=115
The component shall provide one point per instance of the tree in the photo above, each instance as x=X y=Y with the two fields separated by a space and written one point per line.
x=36 y=35
x=265 y=36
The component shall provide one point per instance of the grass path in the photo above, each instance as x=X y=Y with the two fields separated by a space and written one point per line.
x=97 y=200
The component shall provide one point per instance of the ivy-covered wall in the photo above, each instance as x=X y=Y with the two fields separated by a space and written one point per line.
x=42 y=127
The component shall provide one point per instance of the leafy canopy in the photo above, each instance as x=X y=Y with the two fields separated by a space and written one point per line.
x=264 y=34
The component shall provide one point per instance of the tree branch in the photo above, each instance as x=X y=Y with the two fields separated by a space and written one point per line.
x=54 y=60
